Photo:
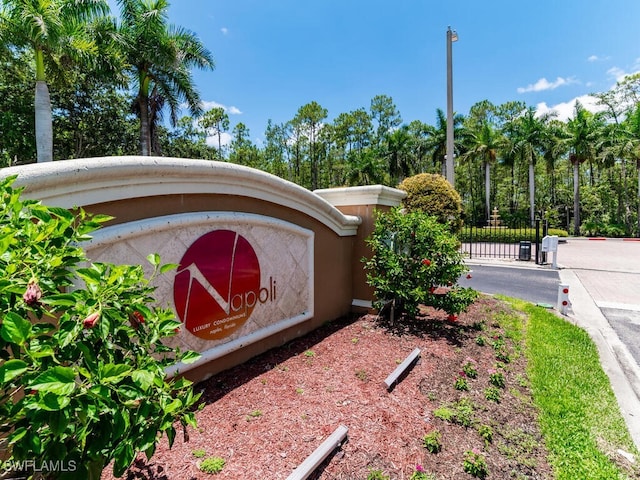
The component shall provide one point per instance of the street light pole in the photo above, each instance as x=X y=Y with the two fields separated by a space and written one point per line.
x=452 y=36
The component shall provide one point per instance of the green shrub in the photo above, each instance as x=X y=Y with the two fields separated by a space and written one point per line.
x=492 y=394
x=432 y=441
x=475 y=464
x=82 y=378
x=377 y=474
x=434 y=195
x=486 y=432
x=504 y=235
x=212 y=465
x=412 y=256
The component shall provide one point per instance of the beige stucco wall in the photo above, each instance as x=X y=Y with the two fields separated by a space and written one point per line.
x=140 y=190
x=134 y=189
x=362 y=202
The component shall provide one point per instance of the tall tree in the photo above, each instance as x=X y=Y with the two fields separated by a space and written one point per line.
x=79 y=118
x=243 y=151
x=582 y=132
x=398 y=150
x=308 y=121
x=54 y=31
x=630 y=143
x=17 y=144
x=161 y=57
x=529 y=131
x=386 y=117
x=275 y=151
x=215 y=122
x=483 y=142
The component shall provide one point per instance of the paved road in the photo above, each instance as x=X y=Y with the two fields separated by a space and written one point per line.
x=610 y=271
x=626 y=324
x=533 y=285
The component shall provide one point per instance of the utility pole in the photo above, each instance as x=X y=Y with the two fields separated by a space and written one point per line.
x=452 y=36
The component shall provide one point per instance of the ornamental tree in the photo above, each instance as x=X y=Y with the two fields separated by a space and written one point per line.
x=82 y=379
x=416 y=260
x=435 y=196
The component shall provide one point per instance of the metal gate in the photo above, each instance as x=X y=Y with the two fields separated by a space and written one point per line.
x=519 y=241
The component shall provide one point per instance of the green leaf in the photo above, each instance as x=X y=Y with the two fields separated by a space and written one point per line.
x=58 y=380
x=142 y=378
x=149 y=438
x=17 y=435
x=15 y=329
x=12 y=369
x=121 y=423
x=41 y=213
x=61 y=212
x=171 y=435
x=123 y=456
x=190 y=357
x=173 y=406
x=111 y=373
x=101 y=218
x=89 y=356
x=154 y=259
x=61 y=300
x=89 y=275
x=168 y=266
x=5 y=241
x=190 y=419
x=40 y=351
x=52 y=402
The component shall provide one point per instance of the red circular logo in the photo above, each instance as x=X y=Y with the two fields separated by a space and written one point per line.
x=217 y=285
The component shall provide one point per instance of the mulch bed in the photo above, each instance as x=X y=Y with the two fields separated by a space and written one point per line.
x=266 y=416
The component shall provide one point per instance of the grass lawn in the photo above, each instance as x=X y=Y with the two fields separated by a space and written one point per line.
x=579 y=416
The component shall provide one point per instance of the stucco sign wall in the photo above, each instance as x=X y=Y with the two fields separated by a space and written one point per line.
x=240 y=277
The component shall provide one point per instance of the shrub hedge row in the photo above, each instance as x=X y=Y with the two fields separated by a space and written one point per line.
x=503 y=235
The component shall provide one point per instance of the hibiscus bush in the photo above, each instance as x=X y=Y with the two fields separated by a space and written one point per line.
x=416 y=260
x=82 y=379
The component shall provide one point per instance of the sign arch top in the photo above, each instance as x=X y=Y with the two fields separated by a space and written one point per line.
x=82 y=182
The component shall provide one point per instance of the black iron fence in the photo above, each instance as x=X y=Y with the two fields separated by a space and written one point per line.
x=517 y=241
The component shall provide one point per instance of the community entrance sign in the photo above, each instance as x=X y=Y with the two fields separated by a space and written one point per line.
x=217 y=285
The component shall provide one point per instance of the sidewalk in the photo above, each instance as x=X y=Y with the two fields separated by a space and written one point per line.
x=606 y=274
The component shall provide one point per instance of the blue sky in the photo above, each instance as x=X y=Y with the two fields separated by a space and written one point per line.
x=273 y=56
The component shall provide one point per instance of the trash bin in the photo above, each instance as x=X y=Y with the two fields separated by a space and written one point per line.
x=525 y=251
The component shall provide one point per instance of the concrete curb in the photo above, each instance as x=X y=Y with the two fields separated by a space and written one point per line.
x=616 y=361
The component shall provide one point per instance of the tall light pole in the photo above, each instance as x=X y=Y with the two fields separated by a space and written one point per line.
x=452 y=36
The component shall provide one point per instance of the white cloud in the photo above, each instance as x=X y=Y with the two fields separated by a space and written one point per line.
x=565 y=110
x=596 y=58
x=231 y=110
x=619 y=74
x=224 y=30
x=225 y=139
x=544 y=84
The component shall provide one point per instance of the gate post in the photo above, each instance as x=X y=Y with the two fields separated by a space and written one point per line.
x=537 y=241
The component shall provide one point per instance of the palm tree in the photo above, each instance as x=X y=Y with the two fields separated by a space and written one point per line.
x=55 y=31
x=437 y=139
x=484 y=141
x=630 y=148
x=398 y=143
x=529 y=132
x=581 y=140
x=160 y=57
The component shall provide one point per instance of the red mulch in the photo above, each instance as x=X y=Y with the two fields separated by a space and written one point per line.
x=266 y=416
